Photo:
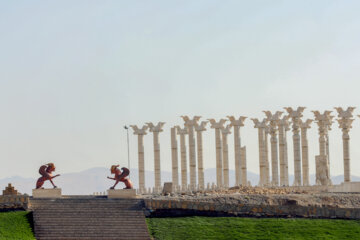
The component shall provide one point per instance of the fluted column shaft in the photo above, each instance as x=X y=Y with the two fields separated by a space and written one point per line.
x=200 y=160
x=305 y=157
x=262 y=165
x=192 y=157
x=174 y=157
x=297 y=158
x=225 y=160
x=157 y=168
x=219 y=158
x=243 y=167
x=266 y=159
x=183 y=162
x=346 y=153
x=282 y=156
x=141 y=163
x=274 y=159
x=237 y=146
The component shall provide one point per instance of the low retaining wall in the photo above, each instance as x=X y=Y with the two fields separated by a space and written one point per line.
x=290 y=209
x=14 y=202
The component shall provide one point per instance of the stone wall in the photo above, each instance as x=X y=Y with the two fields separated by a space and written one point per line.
x=157 y=207
x=13 y=202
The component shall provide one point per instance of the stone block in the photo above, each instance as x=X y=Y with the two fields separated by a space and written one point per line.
x=47 y=193
x=121 y=193
x=167 y=188
x=353 y=187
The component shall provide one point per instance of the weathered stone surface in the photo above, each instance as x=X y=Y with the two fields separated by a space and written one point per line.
x=121 y=193
x=47 y=193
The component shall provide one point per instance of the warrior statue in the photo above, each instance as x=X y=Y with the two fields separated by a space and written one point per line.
x=46 y=173
x=120 y=176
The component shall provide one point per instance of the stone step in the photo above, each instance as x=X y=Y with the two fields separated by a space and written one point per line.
x=95 y=218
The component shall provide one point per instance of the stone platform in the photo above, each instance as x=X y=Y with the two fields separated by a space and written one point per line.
x=350 y=187
x=47 y=193
x=121 y=193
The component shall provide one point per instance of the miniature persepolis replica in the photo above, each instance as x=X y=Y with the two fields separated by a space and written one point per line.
x=262 y=161
x=140 y=132
x=345 y=119
x=273 y=119
x=46 y=174
x=174 y=160
x=190 y=123
x=304 y=126
x=324 y=122
x=225 y=131
x=156 y=130
x=182 y=132
x=217 y=126
x=199 y=129
x=283 y=125
x=237 y=124
x=296 y=115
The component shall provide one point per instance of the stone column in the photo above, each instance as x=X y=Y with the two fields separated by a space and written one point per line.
x=296 y=115
x=345 y=119
x=262 y=162
x=287 y=128
x=190 y=123
x=324 y=122
x=141 y=162
x=243 y=166
x=157 y=170
x=219 y=158
x=305 y=151
x=199 y=129
x=266 y=156
x=273 y=119
x=237 y=124
x=282 y=125
x=182 y=132
x=174 y=158
x=225 y=131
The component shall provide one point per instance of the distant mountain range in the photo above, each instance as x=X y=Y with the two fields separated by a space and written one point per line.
x=94 y=180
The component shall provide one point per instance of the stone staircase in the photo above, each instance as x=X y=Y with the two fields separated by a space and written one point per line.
x=89 y=218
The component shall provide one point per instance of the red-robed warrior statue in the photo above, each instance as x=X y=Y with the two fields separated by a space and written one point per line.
x=46 y=173
x=120 y=176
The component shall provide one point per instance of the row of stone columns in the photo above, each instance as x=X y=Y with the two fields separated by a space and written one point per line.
x=274 y=125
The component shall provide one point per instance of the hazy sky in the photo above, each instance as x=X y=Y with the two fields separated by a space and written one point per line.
x=72 y=73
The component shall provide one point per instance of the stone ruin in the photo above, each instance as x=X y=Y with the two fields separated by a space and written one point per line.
x=273 y=172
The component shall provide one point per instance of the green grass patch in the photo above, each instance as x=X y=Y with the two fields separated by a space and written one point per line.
x=16 y=225
x=251 y=228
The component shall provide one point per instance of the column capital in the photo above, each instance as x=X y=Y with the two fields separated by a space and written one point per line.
x=190 y=122
x=273 y=119
x=201 y=127
x=306 y=124
x=226 y=130
x=218 y=124
x=258 y=124
x=345 y=118
x=237 y=122
x=324 y=121
x=157 y=128
x=139 y=131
